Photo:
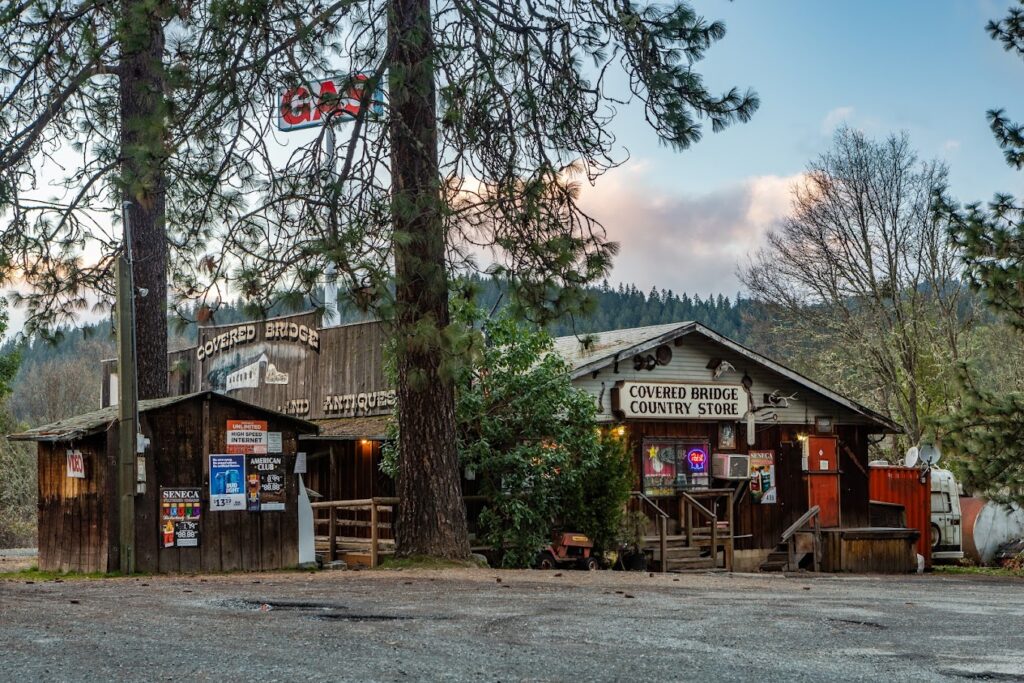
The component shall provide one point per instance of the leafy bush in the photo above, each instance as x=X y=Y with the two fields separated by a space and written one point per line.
x=531 y=440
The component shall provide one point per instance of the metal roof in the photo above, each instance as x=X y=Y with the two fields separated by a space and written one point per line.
x=100 y=420
x=621 y=345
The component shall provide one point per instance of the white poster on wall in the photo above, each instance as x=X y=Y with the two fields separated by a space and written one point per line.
x=76 y=464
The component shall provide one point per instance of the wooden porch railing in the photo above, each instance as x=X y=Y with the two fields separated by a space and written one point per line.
x=376 y=506
x=689 y=501
x=789 y=537
x=662 y=527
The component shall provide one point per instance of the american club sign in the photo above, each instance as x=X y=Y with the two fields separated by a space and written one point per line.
x=679 y=401
x=338 y=97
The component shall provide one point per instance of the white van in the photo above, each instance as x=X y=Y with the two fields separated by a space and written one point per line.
x=946 y=534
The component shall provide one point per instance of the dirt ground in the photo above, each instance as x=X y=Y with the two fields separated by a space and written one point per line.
x=470 y=625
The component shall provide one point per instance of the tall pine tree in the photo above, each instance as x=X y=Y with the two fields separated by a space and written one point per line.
x=987 y=434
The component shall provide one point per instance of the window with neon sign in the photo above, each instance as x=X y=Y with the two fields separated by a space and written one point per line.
x=671 y=465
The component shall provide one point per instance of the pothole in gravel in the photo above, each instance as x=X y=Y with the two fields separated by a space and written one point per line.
x=858 y=622
x=314 y=610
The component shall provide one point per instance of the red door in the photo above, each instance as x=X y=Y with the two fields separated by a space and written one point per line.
x=823 y=491
x=822 y=464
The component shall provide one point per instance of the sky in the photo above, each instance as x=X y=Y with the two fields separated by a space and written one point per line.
x=685 y=220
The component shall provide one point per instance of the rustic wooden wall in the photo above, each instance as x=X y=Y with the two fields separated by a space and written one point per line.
x=349 y=361
x=73 y=513
x=182 y=436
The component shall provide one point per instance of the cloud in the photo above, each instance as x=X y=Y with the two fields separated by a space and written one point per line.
x=950 y=145
x=834 y=118
x=687 y=243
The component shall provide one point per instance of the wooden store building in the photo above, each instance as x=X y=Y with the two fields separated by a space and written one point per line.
x=741 y=463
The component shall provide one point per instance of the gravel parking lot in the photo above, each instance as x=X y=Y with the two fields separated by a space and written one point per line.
x=512 y=625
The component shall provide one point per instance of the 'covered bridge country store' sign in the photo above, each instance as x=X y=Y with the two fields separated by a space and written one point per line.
x=639 y=400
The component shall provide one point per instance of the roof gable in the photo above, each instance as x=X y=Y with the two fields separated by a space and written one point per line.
x=100 y=420
x=618 y=346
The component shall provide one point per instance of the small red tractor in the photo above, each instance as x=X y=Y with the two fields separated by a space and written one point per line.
x=567 y=549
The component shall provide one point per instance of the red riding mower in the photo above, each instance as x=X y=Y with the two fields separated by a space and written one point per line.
x=567 y=549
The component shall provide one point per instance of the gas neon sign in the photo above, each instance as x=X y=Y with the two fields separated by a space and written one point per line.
x=337 y=98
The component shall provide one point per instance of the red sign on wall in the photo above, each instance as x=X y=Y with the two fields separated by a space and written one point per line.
x=246 y=436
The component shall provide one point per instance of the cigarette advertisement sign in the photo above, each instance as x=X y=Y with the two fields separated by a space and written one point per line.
x=179 y=517
x=247 y=436
x=227 y=482
x=762 y=477
x=265 y=483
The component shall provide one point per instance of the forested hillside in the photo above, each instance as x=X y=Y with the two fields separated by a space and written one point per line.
x=61 y=377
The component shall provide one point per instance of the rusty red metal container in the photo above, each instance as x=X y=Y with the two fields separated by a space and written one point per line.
x=912 y=488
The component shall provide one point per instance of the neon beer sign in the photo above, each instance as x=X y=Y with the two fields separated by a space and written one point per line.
x=698 y=459
x=339 y=97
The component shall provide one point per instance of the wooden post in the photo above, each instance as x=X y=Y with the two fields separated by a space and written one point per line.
x=729 y=549
x=714 y=540
x=332 y=534
x=332 y=513
x=686 y=520
x=373 y=533
x=663 y=528
x=126 y=475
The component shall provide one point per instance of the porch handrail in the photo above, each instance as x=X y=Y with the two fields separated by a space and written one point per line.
x=798 y=524
x=642 y=496
x=700 y=508
x=662 y=527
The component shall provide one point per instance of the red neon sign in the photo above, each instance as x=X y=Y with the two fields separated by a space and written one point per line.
x=698 y=459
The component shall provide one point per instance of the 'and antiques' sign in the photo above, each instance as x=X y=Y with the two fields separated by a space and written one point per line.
x=247 y=436
x=76 y=464
x=762 y=477
x=265 y=483
x=227 y=477
x=179 y=517
x=666 y=400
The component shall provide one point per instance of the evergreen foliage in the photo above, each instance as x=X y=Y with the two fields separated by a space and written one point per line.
x=531 y=441
x=986 y=435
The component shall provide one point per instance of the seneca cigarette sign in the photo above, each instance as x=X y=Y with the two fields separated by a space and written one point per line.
x=665 y=400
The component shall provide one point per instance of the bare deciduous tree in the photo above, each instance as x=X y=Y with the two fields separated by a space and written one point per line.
x=865 y=291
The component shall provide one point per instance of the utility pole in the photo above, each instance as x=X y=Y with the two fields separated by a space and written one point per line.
x=127 y=403
x=332 y=317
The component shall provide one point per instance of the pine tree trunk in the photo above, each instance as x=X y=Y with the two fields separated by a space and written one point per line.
x=143 y=126
x=431 y=514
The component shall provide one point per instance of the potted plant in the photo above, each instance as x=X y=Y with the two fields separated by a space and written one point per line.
x=631 y=542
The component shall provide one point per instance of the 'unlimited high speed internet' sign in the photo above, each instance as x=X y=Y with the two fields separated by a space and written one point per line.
x=311 y=105
x=679 y=401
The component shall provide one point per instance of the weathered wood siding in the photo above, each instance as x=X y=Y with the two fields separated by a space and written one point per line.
x=182 y=436
x=74 y=513
x=882 y=551
x=78 y=518
x=343 y=376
